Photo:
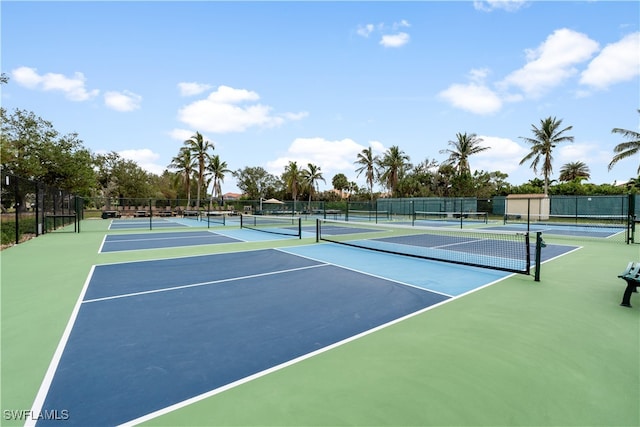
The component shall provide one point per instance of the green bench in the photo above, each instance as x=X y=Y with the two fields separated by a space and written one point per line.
x=631 y=275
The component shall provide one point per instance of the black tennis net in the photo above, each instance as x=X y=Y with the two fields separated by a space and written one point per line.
x=285 y=225
x=507 y=251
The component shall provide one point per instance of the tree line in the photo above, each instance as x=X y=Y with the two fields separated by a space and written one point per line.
x=32 y=148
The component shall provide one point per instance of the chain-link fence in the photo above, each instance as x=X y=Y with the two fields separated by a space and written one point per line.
x=30 y=208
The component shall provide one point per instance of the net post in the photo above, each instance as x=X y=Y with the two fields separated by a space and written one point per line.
x=299 y=227
x=539 y=245
x=150 y=216
x=317 y=230
x=631 y=218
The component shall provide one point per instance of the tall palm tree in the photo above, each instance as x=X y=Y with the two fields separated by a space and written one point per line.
x=200 y=149
x=292 y=180
x=368 y=163
x=216 y=169
x=626 y=149
x=184 y=164
x=311 y=176
x=464 y=146
x=573 y=170
x=392 y=165
x=546 y=138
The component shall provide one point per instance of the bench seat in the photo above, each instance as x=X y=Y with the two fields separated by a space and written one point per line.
x=631 y=275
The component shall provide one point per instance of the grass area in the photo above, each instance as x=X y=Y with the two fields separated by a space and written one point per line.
x=556 y=352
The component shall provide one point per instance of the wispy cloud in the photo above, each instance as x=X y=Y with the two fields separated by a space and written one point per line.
x=145 y=158
x=507 y=5
x=332 y=156
x=475 y=96
x=551 y=63
x=555 y=62
x=390 y=34
x=192 y=88
x=73 y=87
x=124 y=101
x=232 y=110
x=617 y=62
x=395 y=40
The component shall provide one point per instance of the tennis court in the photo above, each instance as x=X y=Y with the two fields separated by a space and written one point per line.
x=152 y=334
x=287 y=331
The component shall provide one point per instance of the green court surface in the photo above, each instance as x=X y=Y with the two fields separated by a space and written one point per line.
x=559 y=352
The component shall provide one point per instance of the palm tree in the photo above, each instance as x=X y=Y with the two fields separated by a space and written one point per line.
x=311 y=176
x=216 y=169
x=392 y=165
x=546 y=138
x=464 y=146
x=367 y=162
x=184 y=164
x=200 y=149
x=292 y=180
x=626 y=149
x=574 y=170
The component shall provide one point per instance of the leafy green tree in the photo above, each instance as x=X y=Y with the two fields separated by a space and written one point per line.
x=340 y=182
x=368 y=163
x=627 y=149
x=184 y=164
x=292 y=179
x=392 y=165
x=574 y=171
x=463 y=147
x=256 y=182
x=217 y=170
x=310 y=177
x=199 y=148
x=120 y=178
x=546 y=139
x=23 y=136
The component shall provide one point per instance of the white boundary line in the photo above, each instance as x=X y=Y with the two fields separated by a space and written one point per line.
x=46 y=384
x=36 y=408
x=291 y=362
x=195 y=285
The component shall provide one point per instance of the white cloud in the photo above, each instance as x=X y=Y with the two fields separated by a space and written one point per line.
x=365 y=30
x=394 y=40
x=588 y=153
x=551 y=63
x=73 y=87
x=508 y=5
x=503 y=155
x=617 y=62
x=122 y=101
x=182 y=134
x=145 y=158
x=232 y=110
x=192 y=88
x=332 y=156
x=472 y=97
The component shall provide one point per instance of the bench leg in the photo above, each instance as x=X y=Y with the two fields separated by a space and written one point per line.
x=626 y=298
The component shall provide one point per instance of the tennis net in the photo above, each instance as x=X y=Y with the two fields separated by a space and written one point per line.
x=595 y=221
x=366 y=215
x=285 y=225
x=499 y=250
x=456 y=217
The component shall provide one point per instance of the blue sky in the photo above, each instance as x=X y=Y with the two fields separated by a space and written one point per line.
x=271 y=82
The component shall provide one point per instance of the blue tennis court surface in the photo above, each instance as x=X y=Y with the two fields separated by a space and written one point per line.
x=160 y=222
x=129 y=242
x=147 y=335
x=150 y=335
x=564 y=230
